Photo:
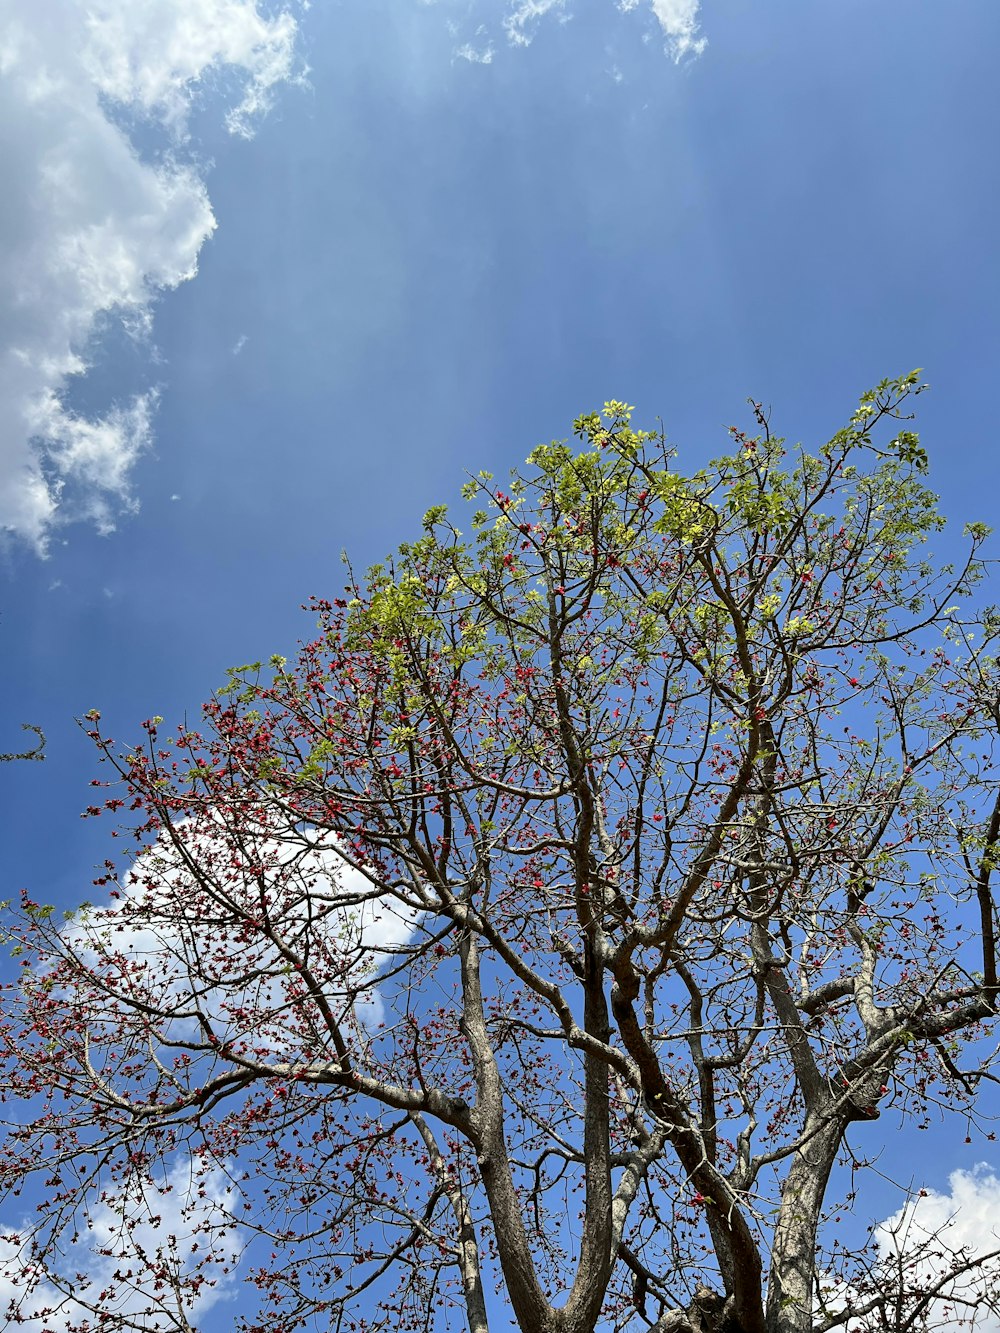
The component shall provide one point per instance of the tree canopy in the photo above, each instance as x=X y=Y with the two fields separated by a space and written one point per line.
x=536 y=944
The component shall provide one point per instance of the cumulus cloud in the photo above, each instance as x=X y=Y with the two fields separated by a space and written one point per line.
x=938 y=1256
x=91 y=231
x=941 y=1231
x=133 y=1233
x=189 y=932
x=151 y=55
x=183 y=938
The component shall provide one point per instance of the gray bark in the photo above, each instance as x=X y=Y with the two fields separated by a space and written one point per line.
x=793 y=1253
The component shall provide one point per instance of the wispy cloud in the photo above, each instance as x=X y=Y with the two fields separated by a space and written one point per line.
x=479 y=53
x=679 y=21
x=520 y=22
x=90 y=231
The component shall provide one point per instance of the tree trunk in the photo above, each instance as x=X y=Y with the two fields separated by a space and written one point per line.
x=793 y=1254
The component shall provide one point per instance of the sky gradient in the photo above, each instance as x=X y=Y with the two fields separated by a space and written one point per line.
x=276 y=275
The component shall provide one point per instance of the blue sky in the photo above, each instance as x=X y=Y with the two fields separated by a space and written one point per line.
x=275 y=276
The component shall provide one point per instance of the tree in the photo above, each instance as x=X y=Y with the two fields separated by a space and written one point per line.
x=585 y=892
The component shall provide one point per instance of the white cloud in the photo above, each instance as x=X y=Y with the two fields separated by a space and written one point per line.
x=935 y=1229
x=476 y=55
x=150 y=55
x=926 y=1249
x=188 y=934
x=189 y=948
x=146 y=1230
x=89 y=231
x=519 y=23
x=679 y=21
